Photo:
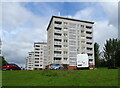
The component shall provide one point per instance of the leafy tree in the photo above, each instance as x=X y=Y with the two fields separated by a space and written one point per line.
x=112 y=51
x=4 y=62
x=97 y=54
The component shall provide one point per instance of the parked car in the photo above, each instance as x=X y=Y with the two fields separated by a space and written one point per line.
x=56 y=67
x=11 y=67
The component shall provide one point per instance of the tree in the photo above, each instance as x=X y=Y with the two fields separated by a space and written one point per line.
x=111 y=52
x=97 y=54
x=4 y=62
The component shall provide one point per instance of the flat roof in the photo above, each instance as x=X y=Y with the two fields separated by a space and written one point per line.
x=39 y=43
x=68 y=19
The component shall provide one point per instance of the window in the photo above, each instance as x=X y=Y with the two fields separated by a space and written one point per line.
x=89 y=37
x=82 y=36
x=90 y=43
x=37 y=46
x=37 y=49
x=89 y=48
x=89 y=54
x=40 y=65
x=82 y=26
x=90 y=59
x=57 y=52
x=65 y=46
x=65 y=58
x=37 y=55
x=58 y=22
x=83 y=48
x=36 y=58
x=65 y=34
x=57 y=34
x=36 y=65
x=65 y=52
x=59 y=40
x=65 y=28
x=37 y=52
x=57 y=28
x=83 y=52
x=82 y=31
x=36 y=61
x=88 y=27
x=88 y=32
x=57 y=58
x=65 y=23
x=82 y=41
x=65 y=40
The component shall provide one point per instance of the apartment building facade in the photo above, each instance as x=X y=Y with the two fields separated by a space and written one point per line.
x=67 y=37
x=29 y=61
x=40 y=55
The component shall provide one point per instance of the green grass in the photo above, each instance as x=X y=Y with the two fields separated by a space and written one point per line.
x=99 y=77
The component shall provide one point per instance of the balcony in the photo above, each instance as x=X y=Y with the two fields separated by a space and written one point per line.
x=90 y=57
x=57 y=31
x=57 y=43
x=57 y=49
x=57 y=25
x=91 y=46
x=89 y=51
x=88 y=40
x=89 y=35
x=57 y=61
x=57 y=37
x=90 y=30
x=57 y=55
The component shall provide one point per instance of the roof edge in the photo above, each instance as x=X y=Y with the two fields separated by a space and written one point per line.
x=67 y=19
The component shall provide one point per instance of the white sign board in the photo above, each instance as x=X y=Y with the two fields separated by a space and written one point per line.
x=82 y=60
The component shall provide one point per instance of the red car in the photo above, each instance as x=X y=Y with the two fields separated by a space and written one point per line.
x=11 y=67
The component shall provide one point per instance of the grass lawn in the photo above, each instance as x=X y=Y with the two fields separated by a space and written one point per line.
x=98 y=77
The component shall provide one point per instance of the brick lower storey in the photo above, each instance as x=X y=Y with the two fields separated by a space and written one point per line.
x=71 y=67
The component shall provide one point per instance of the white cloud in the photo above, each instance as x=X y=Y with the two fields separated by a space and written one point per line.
x=111 y=10
x=85 y=14
x=21 y=28
x=103 y=31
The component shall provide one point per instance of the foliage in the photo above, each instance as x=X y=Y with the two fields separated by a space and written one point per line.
x=97 y=54
x=4 y=62
x=112 y=52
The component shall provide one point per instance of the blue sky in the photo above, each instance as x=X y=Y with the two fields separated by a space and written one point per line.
x=65 y=8
x=24 y=23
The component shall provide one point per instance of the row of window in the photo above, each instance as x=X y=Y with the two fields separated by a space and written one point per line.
x=38 y=65
x=73 y=25
x=38 y=48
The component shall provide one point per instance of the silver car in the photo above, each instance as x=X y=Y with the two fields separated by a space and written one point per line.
x=56 y=67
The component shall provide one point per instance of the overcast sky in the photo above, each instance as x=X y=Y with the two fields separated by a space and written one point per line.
x=24 y=23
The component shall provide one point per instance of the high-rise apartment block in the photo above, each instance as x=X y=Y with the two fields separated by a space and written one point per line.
x=40 y=55
x=67 y=37
x=37 y=59
x=29 y=61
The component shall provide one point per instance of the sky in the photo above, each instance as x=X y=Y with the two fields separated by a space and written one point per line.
x=23 y=23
